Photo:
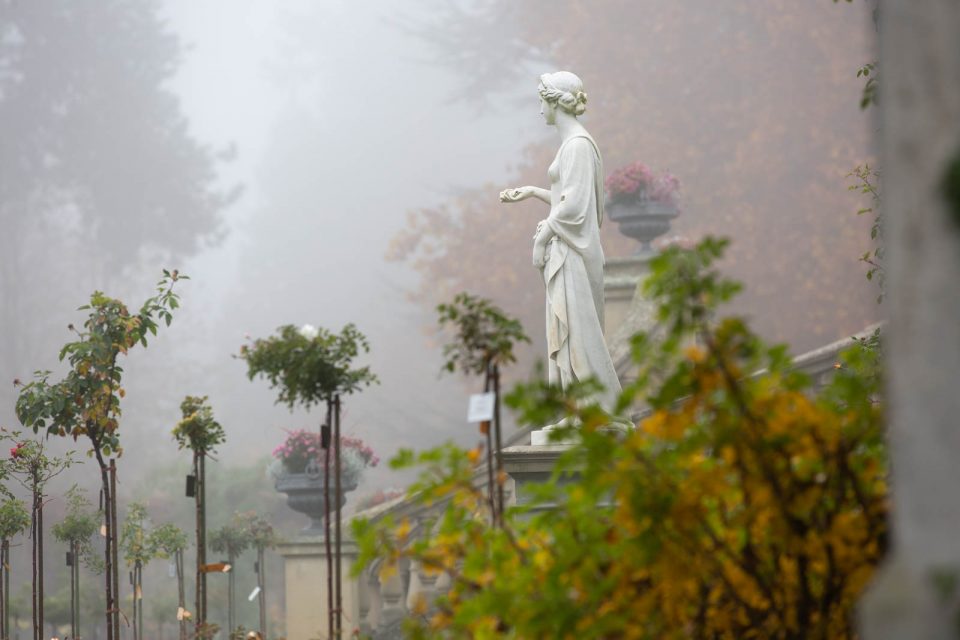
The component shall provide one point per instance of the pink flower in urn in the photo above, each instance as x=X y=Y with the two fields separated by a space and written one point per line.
x=302 y=446
x=637 y=180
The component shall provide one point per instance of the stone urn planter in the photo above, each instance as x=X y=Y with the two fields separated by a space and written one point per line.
x=305 y=494
x=642 y=219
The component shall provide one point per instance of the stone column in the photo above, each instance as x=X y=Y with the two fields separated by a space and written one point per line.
x=305 y=584
x=916 y=595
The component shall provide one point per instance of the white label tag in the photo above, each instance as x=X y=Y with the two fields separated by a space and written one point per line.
x=480 y=408
x=253 y=594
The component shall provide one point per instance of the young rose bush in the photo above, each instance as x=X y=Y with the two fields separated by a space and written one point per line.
x=743 y=506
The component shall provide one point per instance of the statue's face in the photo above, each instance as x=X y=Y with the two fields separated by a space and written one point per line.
x=549 y=111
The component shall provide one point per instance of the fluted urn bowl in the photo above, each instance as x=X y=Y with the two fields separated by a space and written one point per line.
x=642 y=219
x=306 y=495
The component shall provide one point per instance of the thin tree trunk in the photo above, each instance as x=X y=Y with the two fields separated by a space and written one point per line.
x=262 y=596
x=138 y=595
x=326 y=520
x=202 y=549
x=485 y=427
x=133 y=586
x=199 y=469
x=181 y=596
x=198 y=595
x=107 y=557
x=76 y=568
x=338 y=490
x=40 y=561
x=499 y=444
x=136 y=581
x=4 y=592
x=231 y=595
x=112 y=540
x=73 y=588
x=35 y=561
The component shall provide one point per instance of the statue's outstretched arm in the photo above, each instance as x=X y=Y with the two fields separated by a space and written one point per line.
x=516 y=194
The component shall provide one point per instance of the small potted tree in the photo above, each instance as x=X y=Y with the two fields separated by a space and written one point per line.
x=200 y=432
x=309 y=366
x=77 y=530
x=168 y=542
x=30 y=465
x=14 y=519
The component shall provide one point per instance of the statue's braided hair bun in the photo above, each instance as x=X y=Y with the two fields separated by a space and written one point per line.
x=566 y=90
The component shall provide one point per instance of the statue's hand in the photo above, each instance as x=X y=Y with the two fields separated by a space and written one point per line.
x=539 y=256
x=540 y=226
x=540 y=242
x=516 y=194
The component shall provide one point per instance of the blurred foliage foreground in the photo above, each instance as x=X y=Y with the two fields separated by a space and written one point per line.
x=745 y=504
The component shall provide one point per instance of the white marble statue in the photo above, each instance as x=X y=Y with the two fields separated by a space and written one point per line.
x=566 y=245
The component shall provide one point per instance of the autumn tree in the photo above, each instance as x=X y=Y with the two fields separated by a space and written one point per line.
x=86 y=402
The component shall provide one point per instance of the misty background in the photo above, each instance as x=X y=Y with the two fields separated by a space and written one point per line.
x=278 y=154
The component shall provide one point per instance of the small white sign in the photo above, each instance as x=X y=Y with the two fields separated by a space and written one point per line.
x=480 y=408
x=253 y=594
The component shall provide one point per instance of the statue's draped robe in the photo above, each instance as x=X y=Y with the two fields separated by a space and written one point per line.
x=573 y=273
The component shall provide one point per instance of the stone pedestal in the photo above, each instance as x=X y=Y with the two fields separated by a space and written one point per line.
x=305 y=582
x=530 y=464
x=621 y=280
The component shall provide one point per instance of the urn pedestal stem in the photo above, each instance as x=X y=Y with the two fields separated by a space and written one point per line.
x=643 y=220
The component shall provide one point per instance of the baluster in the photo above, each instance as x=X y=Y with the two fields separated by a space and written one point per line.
x=368 y=605
x=414 y=589
x=442 y=584
x=391 y=594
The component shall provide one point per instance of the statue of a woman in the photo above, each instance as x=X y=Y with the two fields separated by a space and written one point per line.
x=566 y=245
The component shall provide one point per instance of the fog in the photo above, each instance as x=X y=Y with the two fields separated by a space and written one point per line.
x=272 y=151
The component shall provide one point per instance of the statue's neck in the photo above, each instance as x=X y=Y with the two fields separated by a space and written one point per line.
x=569 y=127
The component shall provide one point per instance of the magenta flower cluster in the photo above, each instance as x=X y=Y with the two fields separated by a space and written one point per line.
x=637 y=180
x=301 y=446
